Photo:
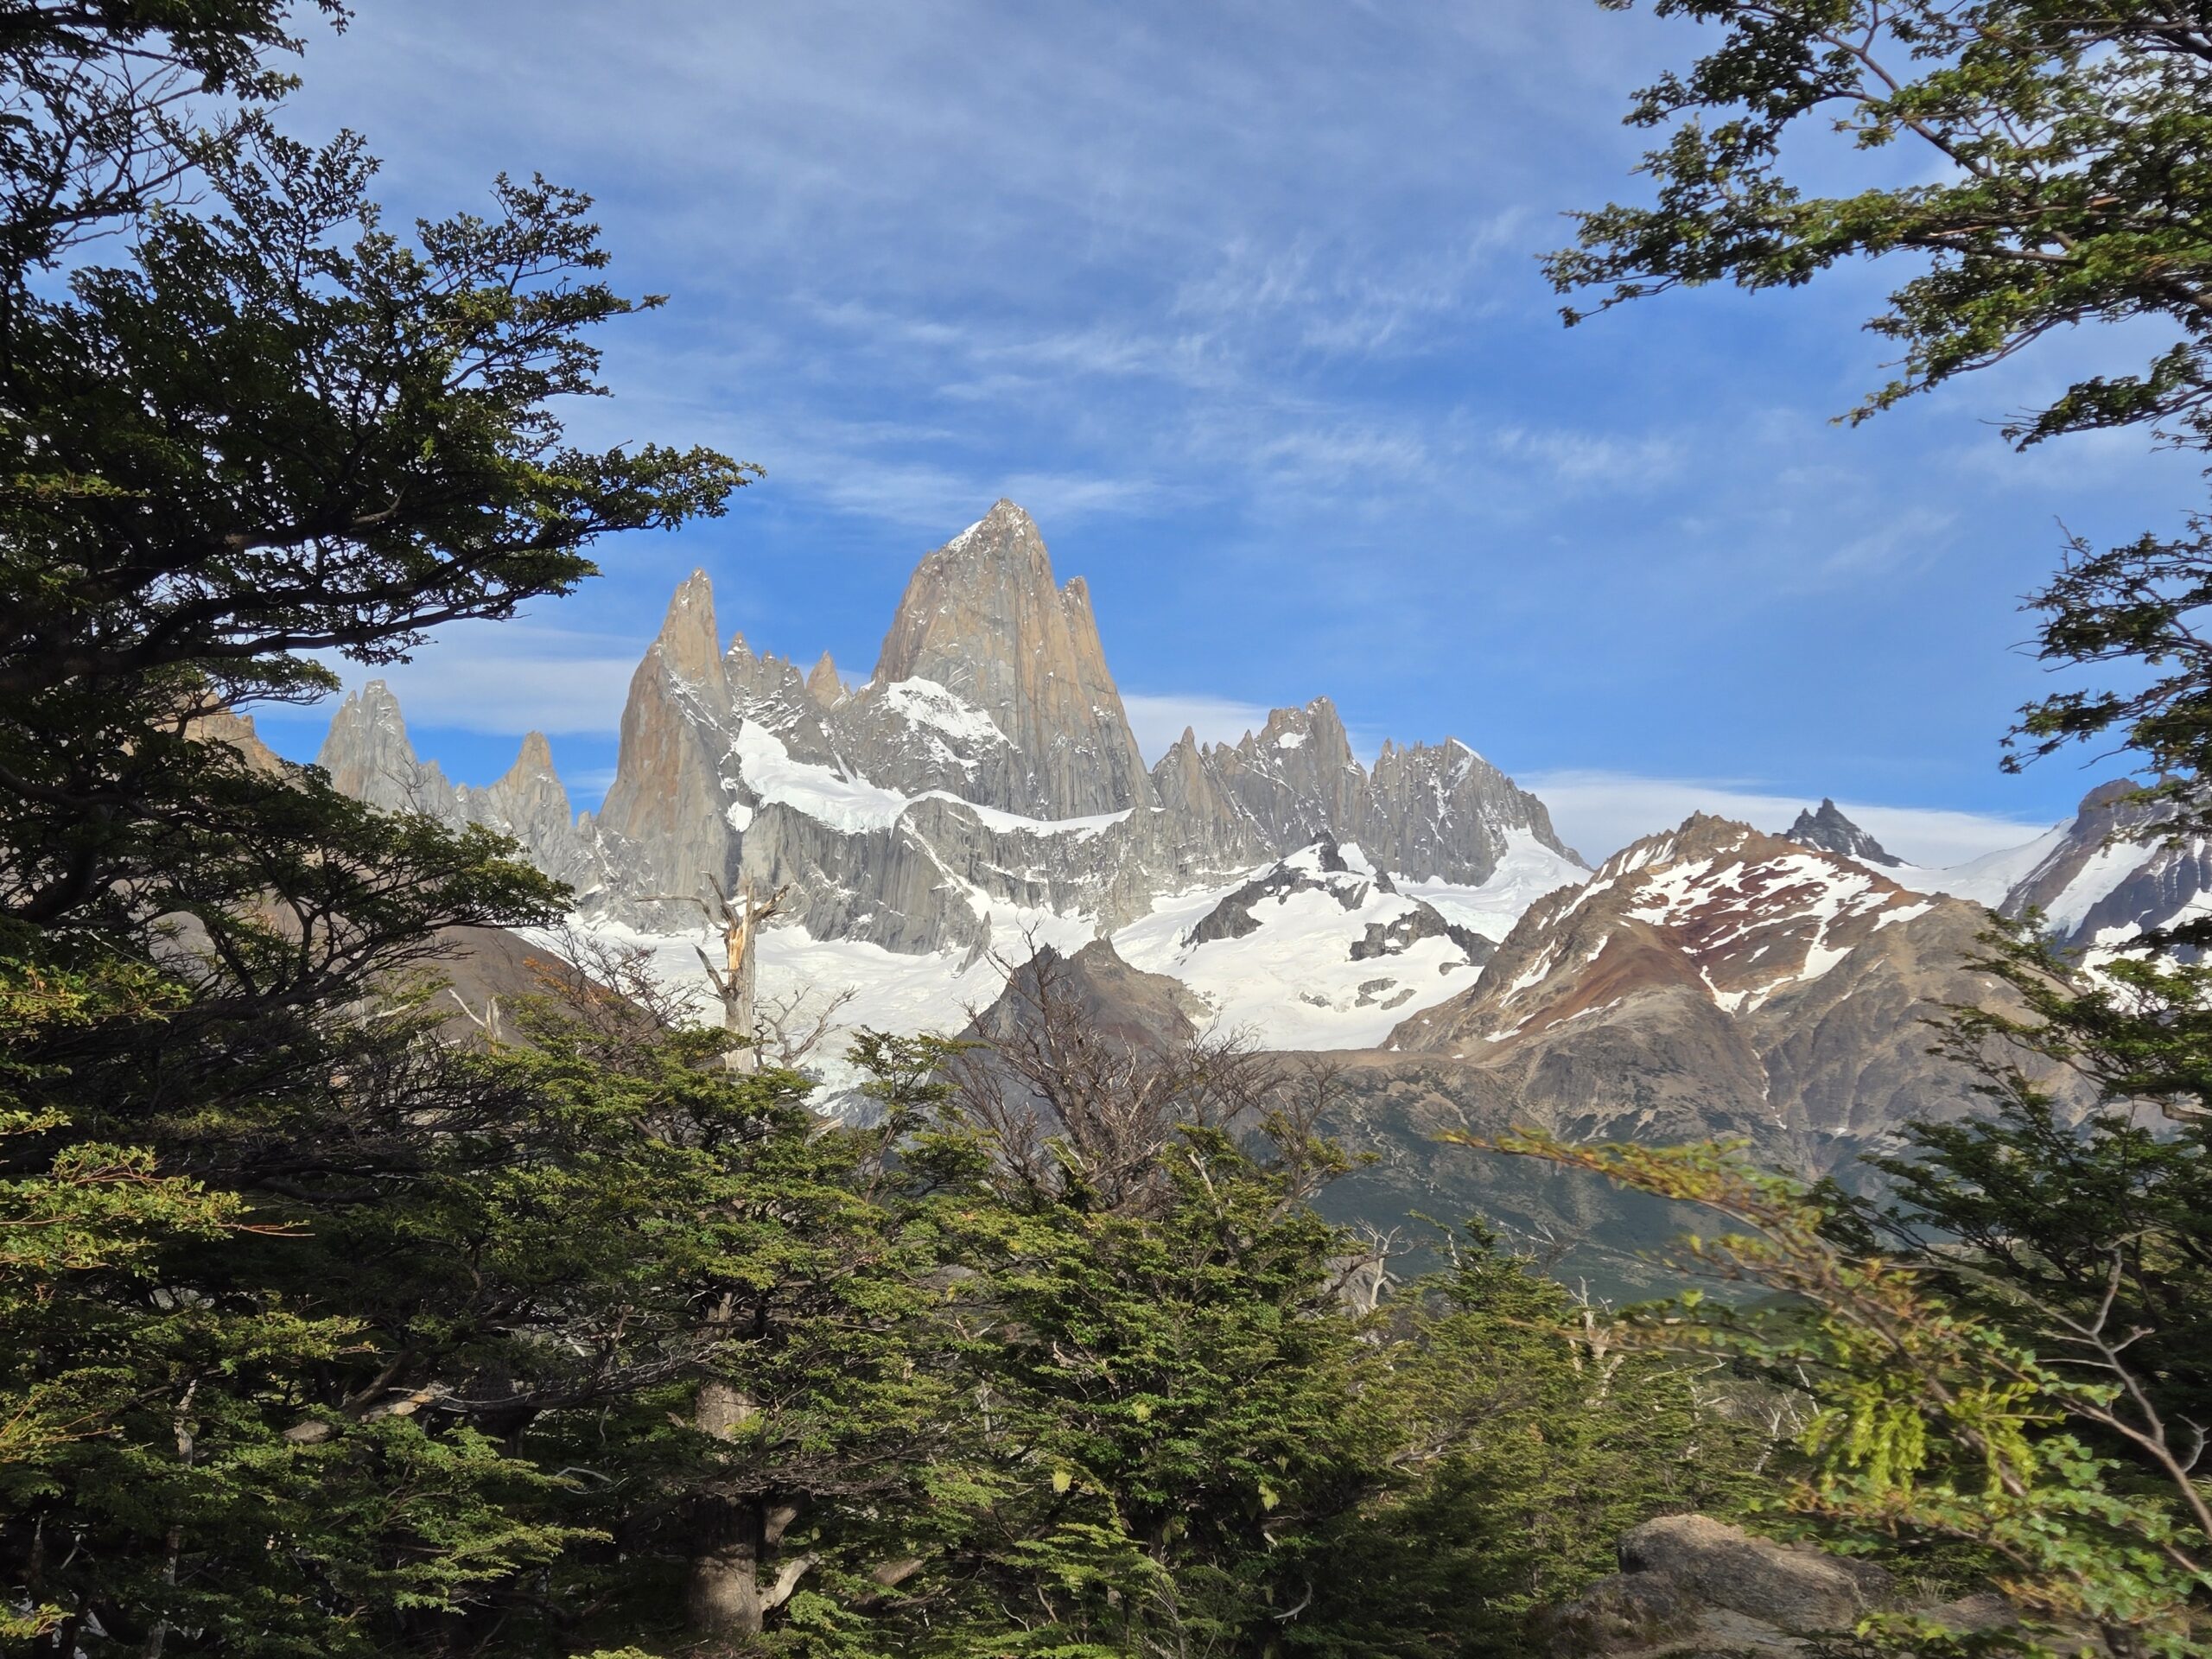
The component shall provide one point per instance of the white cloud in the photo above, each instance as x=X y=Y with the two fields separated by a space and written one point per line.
x=1593 y=457
x=1599 y=812
x=504 y=678
x=1157 y=721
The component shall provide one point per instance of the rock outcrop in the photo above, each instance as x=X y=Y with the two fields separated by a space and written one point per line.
x=368 y=754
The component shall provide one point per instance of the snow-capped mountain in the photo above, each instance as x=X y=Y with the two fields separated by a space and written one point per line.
x=983 y=783
x=980 y=797
x=1717 y=979
x=2096 y=883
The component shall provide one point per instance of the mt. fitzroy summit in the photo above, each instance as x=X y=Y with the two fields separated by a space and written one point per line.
x=983 y=785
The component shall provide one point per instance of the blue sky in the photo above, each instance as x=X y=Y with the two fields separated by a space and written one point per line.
x=1240 y=300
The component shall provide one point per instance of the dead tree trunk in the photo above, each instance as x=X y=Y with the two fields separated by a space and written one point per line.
x=737 y=981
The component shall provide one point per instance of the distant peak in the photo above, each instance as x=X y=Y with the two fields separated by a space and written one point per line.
x=1827 y=830
x=1006 y=522
x=536 y=754
x=823 y=683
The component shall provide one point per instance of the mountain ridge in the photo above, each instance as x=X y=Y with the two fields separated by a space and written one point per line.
x=984 y=776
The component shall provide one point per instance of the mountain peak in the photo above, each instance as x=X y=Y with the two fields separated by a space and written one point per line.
x=536 y=755
x=1005 y=533
x=1827 y=830
x=687 y=642
x=368 y=754
x=983 y=619
x=823 y=683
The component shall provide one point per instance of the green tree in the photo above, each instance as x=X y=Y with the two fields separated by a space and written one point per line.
x=1173 y=1406
x=759 y=1396
x=2071 y=146
x=2056 y=1227
x=1529 y=1437
x=2031 y=1312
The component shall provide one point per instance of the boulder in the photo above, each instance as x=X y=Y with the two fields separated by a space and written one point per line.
x=1794 y=1587
x=1691 y=1586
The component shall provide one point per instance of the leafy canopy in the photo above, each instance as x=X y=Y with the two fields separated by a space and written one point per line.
x=2070 y=145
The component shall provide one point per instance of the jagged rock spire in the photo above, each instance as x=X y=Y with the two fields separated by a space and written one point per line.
x=368 y=755
x=688 y=643
x=666 y=808
x=1827 y=830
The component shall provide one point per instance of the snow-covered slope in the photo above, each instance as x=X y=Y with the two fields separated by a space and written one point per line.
x=1317 y=950
x=1320 y=951
x=1527 y=871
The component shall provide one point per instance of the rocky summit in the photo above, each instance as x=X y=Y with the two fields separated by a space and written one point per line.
x=1827 y=830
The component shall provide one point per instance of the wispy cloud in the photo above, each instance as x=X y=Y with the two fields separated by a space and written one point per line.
x=1594 y=457
x=504 y=678
x=1597 y=813
x=1243 y=306
x=1159 y=719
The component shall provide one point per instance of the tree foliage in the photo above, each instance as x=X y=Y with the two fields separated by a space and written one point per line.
x=2069 y=144
x=1936 y=1421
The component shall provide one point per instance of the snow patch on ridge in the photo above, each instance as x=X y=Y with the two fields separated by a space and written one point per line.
x=926 y=702
x=1528 y=871
x=854 y=806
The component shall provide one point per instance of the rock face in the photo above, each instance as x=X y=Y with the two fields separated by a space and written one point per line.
x=1132 y=1010
x=1428 y=812
x=368 y=754
x=664 y=822
x=982 y=631
x=1827 y=830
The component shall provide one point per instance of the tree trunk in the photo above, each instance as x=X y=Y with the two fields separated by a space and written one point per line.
x=735 y=1539
x=722 y=1598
